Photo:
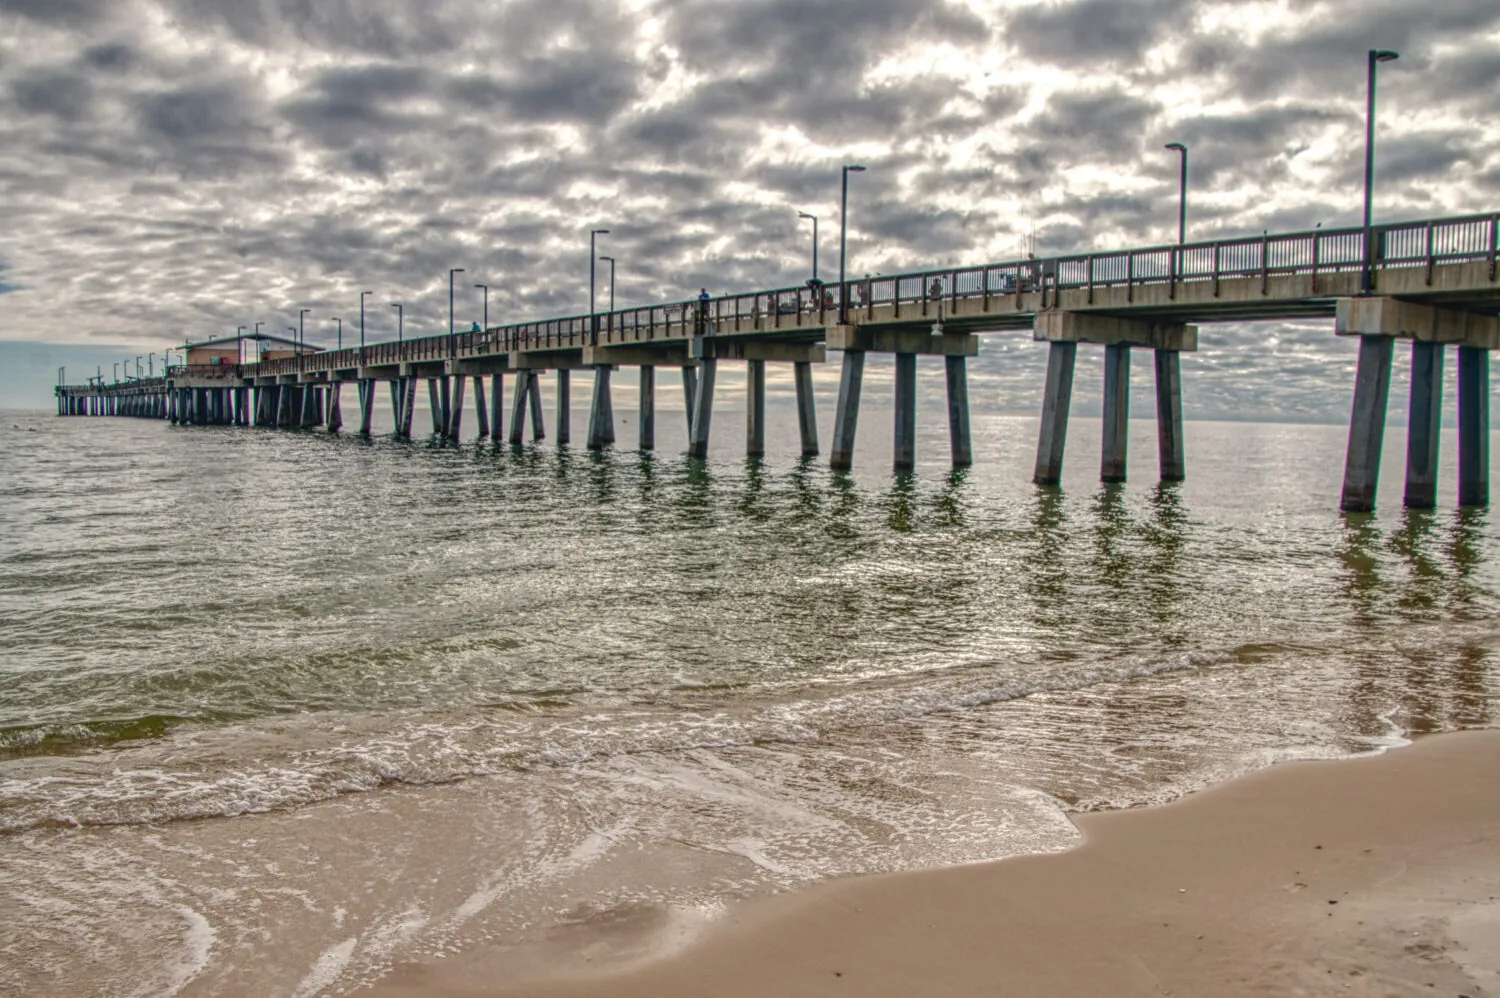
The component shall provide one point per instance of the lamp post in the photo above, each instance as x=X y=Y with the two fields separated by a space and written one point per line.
x=400 y=321
x=486 y=289
x=151 y=363
x=803 y=214
x=341 y=331
x=593 y=315
x=138 y=369
x=117 y=372
x=1182 y=193
x=455 y=270
x=260 y=347
x=611 y=281
x=844 y=242
x=362 y=295
x=1377 y=56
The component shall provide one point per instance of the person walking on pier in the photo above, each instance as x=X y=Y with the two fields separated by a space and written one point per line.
x=702 y=311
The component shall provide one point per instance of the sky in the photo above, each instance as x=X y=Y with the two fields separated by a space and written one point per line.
x=173 y=169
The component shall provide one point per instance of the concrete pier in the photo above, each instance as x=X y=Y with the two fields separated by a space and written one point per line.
x=1424 y=425
x=906 y=411
x=1372 y=385
x=534 y=396
x=807 y=410
x=481 y=411
x=755 y=409
x=601 y=411
x=703 y=408
x=367 y=406
x=565 y=407
x=497 y=406
x=1057 y=399
x=518 y=416
x=1169 y=444
x=690 y=392
x=408 y=406
x=1116 y=413
x=1473 y=426
x=398 y=395
x=435 y=404
x=455 y=407
x=959 y=443
x=648 y=408
x=846 y=415
x=335 y=409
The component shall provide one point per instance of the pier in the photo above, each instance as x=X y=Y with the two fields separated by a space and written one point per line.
x=1432 y=283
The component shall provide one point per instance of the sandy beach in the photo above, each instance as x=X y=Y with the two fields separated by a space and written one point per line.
x=1375 y=876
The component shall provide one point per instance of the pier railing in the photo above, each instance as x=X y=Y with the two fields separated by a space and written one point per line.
x=1316 y=252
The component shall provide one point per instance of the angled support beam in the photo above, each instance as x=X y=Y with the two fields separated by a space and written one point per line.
x=690 y=392
x=1372 y=385
x=1057 y=399
x=408 y=406
x=534 y=395
x=846 y=416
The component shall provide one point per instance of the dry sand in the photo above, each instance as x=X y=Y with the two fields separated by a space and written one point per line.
x=1367 y=877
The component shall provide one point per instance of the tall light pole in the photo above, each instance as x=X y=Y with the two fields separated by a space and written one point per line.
x=803 y=214
x=151 y=363
x=117 y=372
x=611 y=281
x=138 y=369
x=455 y=270
x=239 y=334
x=362 y=295
x=1377 y=56
x=844 y=242
x=1181 y=194
x=341 y=331
x=400 y=320
x=486 y=288
x=301 y=336
x=593 y=315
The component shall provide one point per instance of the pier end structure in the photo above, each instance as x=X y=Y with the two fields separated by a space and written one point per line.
x=1378 y=322
x=1063 y=331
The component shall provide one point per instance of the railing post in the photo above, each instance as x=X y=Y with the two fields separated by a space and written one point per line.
x=1494 y=243
x=1317 y=237
x=1217 y=261
x=1430 y=227
x=1265 y=265
x=1129 y=279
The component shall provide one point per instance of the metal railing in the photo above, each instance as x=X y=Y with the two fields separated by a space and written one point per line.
x=1315 y=253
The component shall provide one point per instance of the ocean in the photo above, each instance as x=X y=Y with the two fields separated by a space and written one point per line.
x=280 y=711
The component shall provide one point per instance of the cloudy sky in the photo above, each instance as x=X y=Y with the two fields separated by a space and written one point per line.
x=176 y=168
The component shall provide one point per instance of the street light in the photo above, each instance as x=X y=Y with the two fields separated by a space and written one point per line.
x=803 y=214
x=455 y=270
x=486 y=288
x=1376 y=56
x=362 y=324
x=260 y=346
x=844 y=243
x=138 y=369
x=341 y=331
x=117 y=372
x=593 y=315
x=1182 y=194
x=611 y=281
x=400 y=321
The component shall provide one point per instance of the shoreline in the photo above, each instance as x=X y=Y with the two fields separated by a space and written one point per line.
x=1375 y=875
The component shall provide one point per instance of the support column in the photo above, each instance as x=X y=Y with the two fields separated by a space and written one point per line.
x=1169 y=443
x=755 y=409
x=367 y=406
x=906 y=411
x=807 y=410
x=1116 y=412
x=565 y=408
x=398 y=395
x=1424 y=425
x=958 y=412
x=335 y=407
x=601 y=412
x=497 y=406
x=455 y=407
x=534 y=394
x=435 y=404
x=200 y=406
x=408 y=405
x=481 y=411
x=846 y=416
x=1473 y=427
x=690 y=393
x=518 y=417
x=703 y=408
x=1372 y=385
x=648 y=407
x=1057 y=399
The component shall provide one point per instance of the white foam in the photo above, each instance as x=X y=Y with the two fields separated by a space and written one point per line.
x=326 y=970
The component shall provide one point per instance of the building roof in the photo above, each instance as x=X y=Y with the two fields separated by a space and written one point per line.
x=260 y=337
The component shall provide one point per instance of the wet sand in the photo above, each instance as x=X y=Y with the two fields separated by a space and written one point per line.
x=1376 y=876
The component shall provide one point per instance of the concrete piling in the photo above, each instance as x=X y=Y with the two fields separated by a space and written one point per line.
x=518 y=417
x=481 y=411
x=1116 y=412
x=565 y=407
x=846 y=416
x=906 y=411
x=648 y=408
x=1057 y=399
x=455 y=408
x=959 y=444
x=335 y=408
x=601 y=411
x=807 y=410
x=367 y=406
x=534 y=393
x=497 y=406
x=408 y=406
x=690 y=393
x=755 y=409
x=1424 y=425
x=1372 y=385
x=1473 y=426
x=703 y=408
x=435 y=404
x=1169 y=442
